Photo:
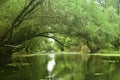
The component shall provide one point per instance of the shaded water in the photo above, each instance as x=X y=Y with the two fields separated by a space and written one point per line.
x=66 y=67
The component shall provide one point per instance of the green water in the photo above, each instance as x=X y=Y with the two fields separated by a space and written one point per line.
x=67 y=67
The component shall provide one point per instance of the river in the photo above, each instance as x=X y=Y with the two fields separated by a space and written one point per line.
x=62 y=66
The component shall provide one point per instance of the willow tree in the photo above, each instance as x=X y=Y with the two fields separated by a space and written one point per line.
x=13 y=14
x=27 y=24
x=91 y=23
x=24 y=22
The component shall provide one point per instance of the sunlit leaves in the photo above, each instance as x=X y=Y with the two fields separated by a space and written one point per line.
x=67 y=20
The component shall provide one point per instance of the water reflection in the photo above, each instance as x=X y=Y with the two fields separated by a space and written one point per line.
x=62 y=67
x=51 y=65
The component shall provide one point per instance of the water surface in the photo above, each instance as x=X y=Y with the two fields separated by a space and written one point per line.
x=63 y=66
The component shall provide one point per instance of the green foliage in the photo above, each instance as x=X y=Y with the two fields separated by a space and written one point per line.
x=89 y=22
x=69 y=21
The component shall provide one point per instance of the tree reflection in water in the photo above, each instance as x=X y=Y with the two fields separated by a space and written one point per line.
x=62 y=67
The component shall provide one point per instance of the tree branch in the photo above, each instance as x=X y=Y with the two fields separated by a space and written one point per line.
x=53 y=38
x=19 y=19
x=42 y=34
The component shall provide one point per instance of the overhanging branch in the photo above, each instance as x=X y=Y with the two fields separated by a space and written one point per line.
x=20 y=18
x=54 y=38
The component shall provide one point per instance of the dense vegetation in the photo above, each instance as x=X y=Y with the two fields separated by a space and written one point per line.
x=60 y=25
